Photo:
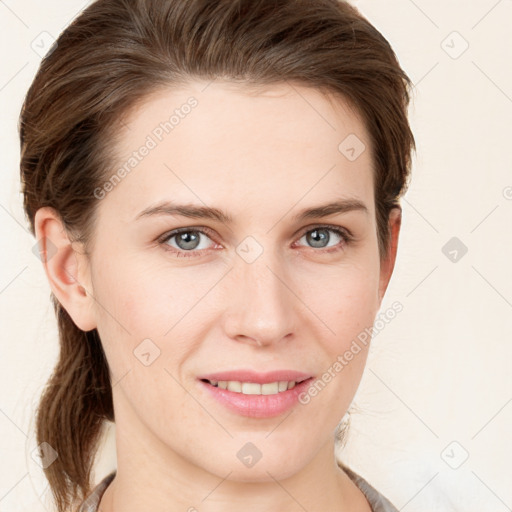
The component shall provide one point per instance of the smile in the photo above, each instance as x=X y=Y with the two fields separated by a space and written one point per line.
x=254 y=388
x=253 y=399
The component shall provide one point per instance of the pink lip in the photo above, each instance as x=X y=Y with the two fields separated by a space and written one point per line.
x=257 y=406
x=260 y=378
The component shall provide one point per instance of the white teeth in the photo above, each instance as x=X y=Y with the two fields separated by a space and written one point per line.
x=234 y=386
x=250 y=388
x=253 y=388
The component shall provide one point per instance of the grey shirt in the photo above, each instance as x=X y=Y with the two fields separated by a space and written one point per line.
x=376 y=500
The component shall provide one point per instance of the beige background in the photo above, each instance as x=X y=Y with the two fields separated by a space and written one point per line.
x=438 y=386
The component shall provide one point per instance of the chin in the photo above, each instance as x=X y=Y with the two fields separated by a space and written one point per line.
x=260 y=472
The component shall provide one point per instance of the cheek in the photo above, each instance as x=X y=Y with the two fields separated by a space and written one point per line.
x=349 y=310
x=140 y=297
x=139 y=302
x=128 y=306
x=347 y=303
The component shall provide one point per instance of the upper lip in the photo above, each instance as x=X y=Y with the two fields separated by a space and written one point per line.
x=258 y=377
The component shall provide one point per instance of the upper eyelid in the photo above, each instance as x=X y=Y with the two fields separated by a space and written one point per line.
x=173 y=232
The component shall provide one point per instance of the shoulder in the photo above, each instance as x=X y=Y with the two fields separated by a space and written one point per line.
x=90 y=504
x=377 y=501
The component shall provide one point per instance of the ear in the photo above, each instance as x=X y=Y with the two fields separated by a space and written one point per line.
x=66 y=268
x=388 y=264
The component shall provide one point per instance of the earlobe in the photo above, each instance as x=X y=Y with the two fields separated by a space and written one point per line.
x=66 y=268
x=388 y=264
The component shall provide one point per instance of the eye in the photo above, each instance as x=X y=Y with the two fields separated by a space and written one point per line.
x=186 y=240
x=319 y=237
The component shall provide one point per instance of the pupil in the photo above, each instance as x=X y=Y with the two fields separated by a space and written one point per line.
x=187 y=241
x=317 y=236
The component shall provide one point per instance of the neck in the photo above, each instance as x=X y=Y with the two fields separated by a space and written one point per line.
x=152 y=476
x=319 y=487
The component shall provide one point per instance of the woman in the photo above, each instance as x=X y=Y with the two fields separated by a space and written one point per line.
x=215 y=187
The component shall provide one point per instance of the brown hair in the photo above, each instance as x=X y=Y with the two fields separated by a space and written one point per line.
x=115 y=54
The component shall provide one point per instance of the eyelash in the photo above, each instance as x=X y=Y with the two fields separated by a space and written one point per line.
x=344 y=234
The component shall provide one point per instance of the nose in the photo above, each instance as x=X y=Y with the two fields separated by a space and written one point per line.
x=263 y=308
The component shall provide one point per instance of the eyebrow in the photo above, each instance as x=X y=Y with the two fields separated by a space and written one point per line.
x=208 y=212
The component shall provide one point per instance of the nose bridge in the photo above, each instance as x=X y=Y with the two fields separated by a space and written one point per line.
x=262 y=305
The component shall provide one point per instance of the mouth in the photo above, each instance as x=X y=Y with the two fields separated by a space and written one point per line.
x=256 y=394
x=257 y=400
x=255 y=388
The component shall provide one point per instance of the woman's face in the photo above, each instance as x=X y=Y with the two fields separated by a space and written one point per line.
x=270 y=289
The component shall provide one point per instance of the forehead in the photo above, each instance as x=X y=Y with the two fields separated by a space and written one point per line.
x=230 y=143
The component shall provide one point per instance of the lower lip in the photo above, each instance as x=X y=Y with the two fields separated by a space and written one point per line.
x=258 y=406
